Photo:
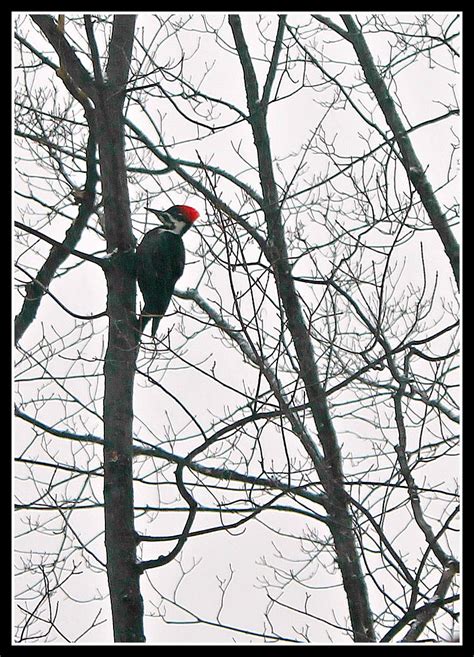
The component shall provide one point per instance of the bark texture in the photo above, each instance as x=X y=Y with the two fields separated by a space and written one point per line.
x=119 y=369
x=102 y=97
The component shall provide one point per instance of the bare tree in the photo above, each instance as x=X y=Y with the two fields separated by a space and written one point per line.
x=300 y=399
x=102 y=99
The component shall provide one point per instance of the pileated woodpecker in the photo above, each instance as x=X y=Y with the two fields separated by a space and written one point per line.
x=160 y=261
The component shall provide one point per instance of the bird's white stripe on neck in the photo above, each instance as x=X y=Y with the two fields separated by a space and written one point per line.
x=177 y=228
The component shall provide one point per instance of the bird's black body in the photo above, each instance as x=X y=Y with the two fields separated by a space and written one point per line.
x=160 y=262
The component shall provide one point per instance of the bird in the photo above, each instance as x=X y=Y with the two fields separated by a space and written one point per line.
x=160 y=259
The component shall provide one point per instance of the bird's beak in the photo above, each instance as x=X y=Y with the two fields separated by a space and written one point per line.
x=160 y=216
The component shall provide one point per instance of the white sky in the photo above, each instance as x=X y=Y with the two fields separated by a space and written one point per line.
x=423 y=92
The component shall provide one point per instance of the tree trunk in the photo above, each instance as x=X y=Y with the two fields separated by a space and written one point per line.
x=329 y=468
x=119 y=369
x=103 y=106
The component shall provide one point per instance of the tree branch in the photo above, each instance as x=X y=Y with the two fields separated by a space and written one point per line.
x=58 y=254
x=413 y=167
x=69 y=61
x=274 y=61
x=329 y=468
x=61 y=246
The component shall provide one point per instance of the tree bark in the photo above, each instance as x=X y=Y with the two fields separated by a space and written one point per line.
x=119 y=369
x=329 y=468
x=103 y=105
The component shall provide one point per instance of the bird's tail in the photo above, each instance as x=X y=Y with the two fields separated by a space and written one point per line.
x=143 y=321
x=154 y=325
x=145 y=317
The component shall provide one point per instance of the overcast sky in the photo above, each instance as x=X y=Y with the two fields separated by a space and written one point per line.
x=222 y=569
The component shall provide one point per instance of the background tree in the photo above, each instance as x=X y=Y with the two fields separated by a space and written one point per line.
x=295 y=418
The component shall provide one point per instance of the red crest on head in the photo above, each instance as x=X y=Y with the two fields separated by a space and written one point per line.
x=189 y=213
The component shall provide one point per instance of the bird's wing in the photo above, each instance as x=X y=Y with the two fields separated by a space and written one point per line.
x=160 y=260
